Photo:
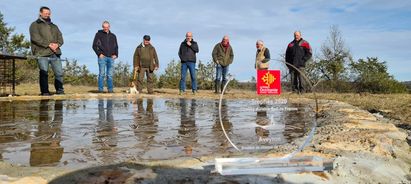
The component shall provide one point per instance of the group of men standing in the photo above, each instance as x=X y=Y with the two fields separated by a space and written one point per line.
x=46 y=40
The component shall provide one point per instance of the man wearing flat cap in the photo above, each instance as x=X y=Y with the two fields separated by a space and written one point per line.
x=145 y=63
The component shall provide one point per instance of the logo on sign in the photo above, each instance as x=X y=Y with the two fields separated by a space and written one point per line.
x=268 y=82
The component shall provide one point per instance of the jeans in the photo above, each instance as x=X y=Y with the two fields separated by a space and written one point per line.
x=105 y=66
x=56 y=66
x=221 y=71
x=190 y=66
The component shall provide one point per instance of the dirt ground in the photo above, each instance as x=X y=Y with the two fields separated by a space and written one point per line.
x=366 y=136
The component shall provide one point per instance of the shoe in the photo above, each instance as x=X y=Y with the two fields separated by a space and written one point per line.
x=181 y=92
x=110 y=91
x=46 y=94
x=195 y=92
x=60 y=93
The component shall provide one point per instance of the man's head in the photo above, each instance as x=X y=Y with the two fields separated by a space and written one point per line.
x=45 y=13
x=106 y=26
x=259 y=44
x=225 y=40
x=189 y=36
x=146 y=39
x=297 y=35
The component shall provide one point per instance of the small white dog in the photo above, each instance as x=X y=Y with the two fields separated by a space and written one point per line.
x=133 y=86
x=133 y=89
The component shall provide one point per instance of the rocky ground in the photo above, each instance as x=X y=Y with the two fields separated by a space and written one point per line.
x=365 y=148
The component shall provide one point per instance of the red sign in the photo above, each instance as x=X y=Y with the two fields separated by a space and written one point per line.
x=268 y=82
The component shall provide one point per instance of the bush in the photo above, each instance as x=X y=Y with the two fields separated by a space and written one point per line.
x=371 y=76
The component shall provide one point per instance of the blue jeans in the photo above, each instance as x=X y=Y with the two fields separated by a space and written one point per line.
x=221 y=71
x=192 y=67
x=105 y=66
x=56 y=66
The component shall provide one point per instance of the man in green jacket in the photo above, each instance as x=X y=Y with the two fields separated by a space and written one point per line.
x=46 y=40
x=145 y=62
x=223 y=56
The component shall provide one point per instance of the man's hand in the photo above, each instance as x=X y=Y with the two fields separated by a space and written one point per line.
x=101 y=56
x=155 y=68
x=188 y=43
x=136 y=68
x=113 y=56
x=54 y=46
x=217 y=62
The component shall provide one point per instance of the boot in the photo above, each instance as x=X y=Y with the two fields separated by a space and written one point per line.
x=222 y=85
x=216 y=86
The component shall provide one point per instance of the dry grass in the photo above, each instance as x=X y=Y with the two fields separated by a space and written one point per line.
x=396 y=106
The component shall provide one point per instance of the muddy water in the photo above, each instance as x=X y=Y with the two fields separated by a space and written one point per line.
x=105 y=131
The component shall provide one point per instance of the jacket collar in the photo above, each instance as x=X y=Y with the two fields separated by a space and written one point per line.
x=143 y=46
x=101 y=31
x=40 y=20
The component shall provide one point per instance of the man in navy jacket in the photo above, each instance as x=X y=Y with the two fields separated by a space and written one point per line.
x=106 y=48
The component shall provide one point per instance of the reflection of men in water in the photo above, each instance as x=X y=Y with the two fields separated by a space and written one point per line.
x=47 y=150
x=106 y=129
x=295 y=122
x=261 y=121
x=145 y=122
x=188 y=130
x=217 y=130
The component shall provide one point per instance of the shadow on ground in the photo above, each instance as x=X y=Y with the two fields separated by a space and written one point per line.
x=138 y=173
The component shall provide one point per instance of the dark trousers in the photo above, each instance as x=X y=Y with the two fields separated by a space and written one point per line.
x=297 y=80
x=140 y=80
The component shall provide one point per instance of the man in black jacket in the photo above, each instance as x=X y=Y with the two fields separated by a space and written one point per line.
x=187 y=53
x=106 y=48
x=297 y=54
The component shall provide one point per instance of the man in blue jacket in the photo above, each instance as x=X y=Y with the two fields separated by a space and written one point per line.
x=106 y=48
x=187 y=53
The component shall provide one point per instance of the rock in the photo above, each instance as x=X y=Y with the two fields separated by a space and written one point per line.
x=30 y=180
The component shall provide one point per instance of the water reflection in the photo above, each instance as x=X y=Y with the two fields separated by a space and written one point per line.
x=187 y=133
x=109 y=130
x=262 y=121
x=145 y=122
x=296 y=122
x=106 y=131
x=46 y=149
x=217 y=130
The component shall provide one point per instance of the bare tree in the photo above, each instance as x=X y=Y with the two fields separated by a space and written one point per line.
x=335 y=56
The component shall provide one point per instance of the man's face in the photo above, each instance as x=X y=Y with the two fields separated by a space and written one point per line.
x=45 y=14
x=259 y=45
x=106 y=27
x=146 y=42
x=225 y=40
x=189 y=37
x=297 y=36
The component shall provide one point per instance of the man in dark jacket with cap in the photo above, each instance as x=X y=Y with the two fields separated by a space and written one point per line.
x=46 y=40
x=106 y=48
x=222 y=56
x=145 y=62
x=187 y=53
x=297 y=54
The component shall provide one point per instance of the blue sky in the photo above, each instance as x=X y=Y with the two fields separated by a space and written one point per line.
x=374 y=28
